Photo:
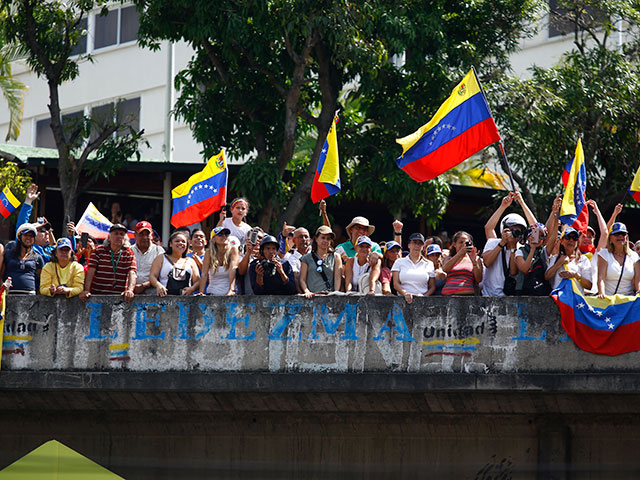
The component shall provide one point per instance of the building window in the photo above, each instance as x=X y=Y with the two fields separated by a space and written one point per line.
x=118 y=26
x=81 y=46
x=560 y=25
x=44 y=135
x=124 y=111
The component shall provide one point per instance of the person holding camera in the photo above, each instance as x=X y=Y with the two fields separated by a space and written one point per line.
x=320 y=270
x=219 y=265
x=270 y=275
x=463 y=266
x=532 y=260
x=499 y=253
x=62 y=275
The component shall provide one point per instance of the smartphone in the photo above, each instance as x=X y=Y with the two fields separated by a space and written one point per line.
x=68 y=218
x=469 y=243
x=535 y=235
x=83 y=239
x=253 y=236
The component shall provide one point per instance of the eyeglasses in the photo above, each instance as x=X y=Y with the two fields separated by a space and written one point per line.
x=571 y=237
x=320 y=263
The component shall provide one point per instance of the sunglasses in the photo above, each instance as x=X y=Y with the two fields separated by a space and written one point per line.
x=619 y=234
x=319 y=267
x=571 y=237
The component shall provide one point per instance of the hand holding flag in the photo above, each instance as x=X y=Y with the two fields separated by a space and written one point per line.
x=327 y=178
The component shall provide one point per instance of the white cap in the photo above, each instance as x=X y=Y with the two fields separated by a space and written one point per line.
x=511 y=220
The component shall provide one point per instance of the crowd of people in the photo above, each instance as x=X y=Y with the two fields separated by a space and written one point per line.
x=523 y=257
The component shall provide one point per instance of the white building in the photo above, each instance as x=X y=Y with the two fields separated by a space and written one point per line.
x=121 y=71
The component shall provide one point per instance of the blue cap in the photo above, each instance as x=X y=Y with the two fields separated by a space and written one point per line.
x=64 y=242
x=416 y=237
x=618 y=227
x=219 y=231
x=569 y=230
x=433 y=248
x=363 y=240
x=389 y=245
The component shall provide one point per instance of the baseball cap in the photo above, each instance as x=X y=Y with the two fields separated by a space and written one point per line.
x=117 y=226
x=143 y=225
x=26 y=227
x=390 y=245
x=325 y=230
x=64 y=242
x=569 y=230
x=220 y=231
x=618 y=227
x=363 y=240
x=433 y=248
x=416 y=237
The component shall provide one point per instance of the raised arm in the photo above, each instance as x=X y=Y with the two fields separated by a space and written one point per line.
x=322 y=206
x=490 y=226
x=616 y=211
x=528 y=214
x=553 y=222
x=602 y=226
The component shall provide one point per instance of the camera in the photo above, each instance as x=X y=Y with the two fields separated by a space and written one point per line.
x=469 y=243
x=269 y=267
x=517 y=233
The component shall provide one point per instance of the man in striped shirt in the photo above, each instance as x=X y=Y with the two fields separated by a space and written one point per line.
x=112 y=267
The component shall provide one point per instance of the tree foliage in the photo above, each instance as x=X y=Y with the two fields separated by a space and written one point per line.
x=594 y=91
x=48 y=31
x=268 y=75
x=16 y=178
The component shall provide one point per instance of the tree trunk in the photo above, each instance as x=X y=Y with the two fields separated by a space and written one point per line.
x=69 y=178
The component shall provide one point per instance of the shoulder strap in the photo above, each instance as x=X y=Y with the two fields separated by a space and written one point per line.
x=624 y=260
x=504 y=263
x=322 y=274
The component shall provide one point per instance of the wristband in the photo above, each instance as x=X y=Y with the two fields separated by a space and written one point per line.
x=397 y=233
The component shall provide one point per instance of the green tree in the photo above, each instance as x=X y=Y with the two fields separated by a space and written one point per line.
x=594 y=91
x=49 y=31
x=12 y=89
x=266 y=74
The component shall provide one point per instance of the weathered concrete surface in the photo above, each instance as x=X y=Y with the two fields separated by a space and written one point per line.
x=341 y=387
x=478 y=336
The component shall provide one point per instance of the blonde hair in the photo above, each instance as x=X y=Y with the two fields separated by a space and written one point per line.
x=627 y=250
x=213 y=253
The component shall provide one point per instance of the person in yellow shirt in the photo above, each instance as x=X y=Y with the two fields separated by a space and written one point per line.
x=62 y=275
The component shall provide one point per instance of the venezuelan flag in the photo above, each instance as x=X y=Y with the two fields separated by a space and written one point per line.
x=461 y=127
x=326 y=181
x=204 y=193
x=574 y=211
x=8 y=202
x=634 y=189
x=608 y=326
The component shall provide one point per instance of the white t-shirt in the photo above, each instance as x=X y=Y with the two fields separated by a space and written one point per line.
x=144 y=261
x=493 y=275
x=581 y=265
x=414 y=277
x=294 y=260
x=240 y=232
x=613 y=273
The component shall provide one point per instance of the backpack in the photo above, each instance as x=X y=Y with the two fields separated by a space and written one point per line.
x=534 y=283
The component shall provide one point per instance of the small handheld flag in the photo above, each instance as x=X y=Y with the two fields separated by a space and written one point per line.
x=327 y=178
x=96 y=224
x=462 y=126
x=204 y=193
x=8 y=202
x=634 y=189
x=574 y=211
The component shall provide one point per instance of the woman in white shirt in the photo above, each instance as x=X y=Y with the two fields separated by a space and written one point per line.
x=618 y=268
x=236 y=225
x=414 y=275
x=569 y=262
x=219 y=265
x=361 y=265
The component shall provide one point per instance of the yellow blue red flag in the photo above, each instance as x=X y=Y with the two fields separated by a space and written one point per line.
x=609 y=326
x=204 y=193
x=462 y=126
x=634 y=189
x=574 y=211
x=326 y=181
x=8 y=202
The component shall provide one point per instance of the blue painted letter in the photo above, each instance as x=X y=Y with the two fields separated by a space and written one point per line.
x=349 y=314
x=142 y=320
x=95 y=324
x=395 y=321
x=232 y=320
x=278 y=330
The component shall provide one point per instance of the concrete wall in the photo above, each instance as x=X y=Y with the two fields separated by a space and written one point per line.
x=339 y=387
x=292 y=334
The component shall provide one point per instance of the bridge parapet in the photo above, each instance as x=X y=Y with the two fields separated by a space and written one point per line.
x=345 y=334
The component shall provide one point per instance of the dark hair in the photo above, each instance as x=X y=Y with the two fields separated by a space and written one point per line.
x=54 y=259
x=314 y=243
x=437 y=240
x=198 y=230
x=456 y=236
x=177 y=232
x=183 y=229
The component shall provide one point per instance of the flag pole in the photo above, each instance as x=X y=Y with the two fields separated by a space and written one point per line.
x=500 y=148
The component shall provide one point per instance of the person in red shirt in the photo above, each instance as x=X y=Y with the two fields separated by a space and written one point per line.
x=112 y=267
